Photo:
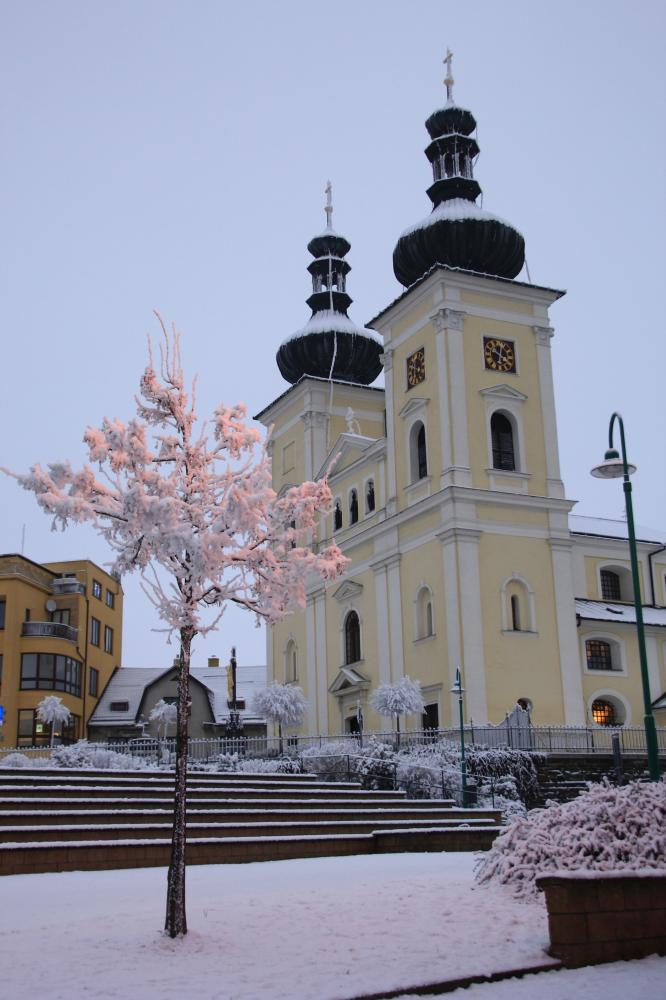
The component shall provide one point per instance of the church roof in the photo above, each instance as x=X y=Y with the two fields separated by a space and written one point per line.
x=624 y=614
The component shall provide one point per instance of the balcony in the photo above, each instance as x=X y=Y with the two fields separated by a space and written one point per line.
x=68 y=585
x=49 y=630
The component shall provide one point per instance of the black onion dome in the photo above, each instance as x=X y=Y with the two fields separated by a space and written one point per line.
x=458 y=232
x=330 y=345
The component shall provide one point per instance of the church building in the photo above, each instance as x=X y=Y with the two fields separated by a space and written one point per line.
x=448 y=498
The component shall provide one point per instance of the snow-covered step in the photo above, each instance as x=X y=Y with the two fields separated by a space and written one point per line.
x=72 y=791
x=159 y=781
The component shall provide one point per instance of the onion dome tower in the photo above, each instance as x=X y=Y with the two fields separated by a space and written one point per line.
x=458 y=232
x=330 y=345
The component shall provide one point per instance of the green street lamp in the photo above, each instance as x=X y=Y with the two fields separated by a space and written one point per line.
x=460 y=690
x=614 y=467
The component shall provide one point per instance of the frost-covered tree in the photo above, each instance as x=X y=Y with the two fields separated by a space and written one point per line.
x=394 y=700
x=200 y=521
x=281 y=703
x=163 y=713
x=51 y=711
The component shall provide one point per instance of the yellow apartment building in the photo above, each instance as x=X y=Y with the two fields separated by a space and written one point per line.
x=61 y=634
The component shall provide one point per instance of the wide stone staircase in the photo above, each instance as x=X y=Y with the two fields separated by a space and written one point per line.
x=62 y=820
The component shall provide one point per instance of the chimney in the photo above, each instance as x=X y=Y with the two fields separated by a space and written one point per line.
x=213 y=661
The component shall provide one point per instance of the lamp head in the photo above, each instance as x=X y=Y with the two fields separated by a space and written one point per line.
x=457 y=686
x=612 y=466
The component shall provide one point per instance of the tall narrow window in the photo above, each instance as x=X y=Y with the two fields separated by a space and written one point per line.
x=291 y=671
x=515 y=613
x=352 y=638
x=353 y=507
x=369 y=496
x=425 y=624
x=418 y=458
x=108 y=639
x=504 y=455
x=610 y=585
x=337 y=516
x=95 y=627
x=3 y=608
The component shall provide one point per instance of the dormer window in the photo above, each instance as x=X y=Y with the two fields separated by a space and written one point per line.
x=119 y=706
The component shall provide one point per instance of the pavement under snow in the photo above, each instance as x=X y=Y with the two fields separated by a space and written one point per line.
x=321 y=929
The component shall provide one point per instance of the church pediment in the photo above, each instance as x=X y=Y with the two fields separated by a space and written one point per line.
x=346 y=450
x=347 y=591
x=503 y=391
x=415 y=405
x=349 y=680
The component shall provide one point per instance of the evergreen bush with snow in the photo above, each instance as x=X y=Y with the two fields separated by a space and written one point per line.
x=15 y=760
x=91 y=756
x=604 y=829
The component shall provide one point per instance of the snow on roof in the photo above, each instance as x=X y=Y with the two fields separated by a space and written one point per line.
x=328 y=320
x=608 y=611
x=450 y=104
x=129 y=683
x=607 y=527
x=455 y=210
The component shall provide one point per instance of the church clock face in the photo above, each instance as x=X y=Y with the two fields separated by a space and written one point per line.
x=499 y=355
x=416 y=372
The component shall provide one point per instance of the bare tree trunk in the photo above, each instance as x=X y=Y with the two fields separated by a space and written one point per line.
x=176 y=920
x=397 y=723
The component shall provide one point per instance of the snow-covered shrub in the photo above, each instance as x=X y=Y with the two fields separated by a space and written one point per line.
x=332 y=762
x=226 y=762
x=499 y=762
x=90 y=755
x=394 y=700
x=501 y=794
x=606 y=828
x=376 y=765
x=15 y=760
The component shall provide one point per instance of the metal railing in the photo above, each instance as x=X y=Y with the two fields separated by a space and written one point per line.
x=49 y=630
x=541 y=739
x=68 y=585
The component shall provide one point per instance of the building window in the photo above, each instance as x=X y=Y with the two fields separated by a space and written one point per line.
x=50 y=672
x=515 y=613
x=417 y=452
x=501 y=432
x=120 y=706
x=97 y=589
x=369 y=496
x=603 y=712
x=32 y=732
x=108 y=639
x=610 y=585
x=353 y=507
x=110 y=598
x=62 y=616
x=352 y=638
x=599 y=655
x=3 y=609
x=337 y=516
x=1 y=664
x=291 y=662
x=93 y=682
x=95 y=630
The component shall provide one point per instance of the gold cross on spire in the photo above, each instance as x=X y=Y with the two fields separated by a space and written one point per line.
x=448 y=79
x=329 y=205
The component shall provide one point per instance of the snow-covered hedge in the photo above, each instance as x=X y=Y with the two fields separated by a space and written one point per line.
x=604 y=829
x=90 y=755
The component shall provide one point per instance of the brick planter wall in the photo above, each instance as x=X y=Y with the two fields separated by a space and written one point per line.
x=604 y=918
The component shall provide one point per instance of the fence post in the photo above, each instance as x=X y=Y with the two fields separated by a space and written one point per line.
x=443 y=792
x=395 y=777
x=617 y=757
x=348 y=769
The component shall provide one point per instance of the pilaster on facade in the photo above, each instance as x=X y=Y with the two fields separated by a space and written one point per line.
x=449 y=327
x=565 y=616
x=543 y=336
x=315 y=440
x=316 y=668
x=388 y=601
x=464 y=616
x=391 y=483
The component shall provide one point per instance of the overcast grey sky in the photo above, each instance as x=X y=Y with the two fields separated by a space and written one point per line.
x=173 y=155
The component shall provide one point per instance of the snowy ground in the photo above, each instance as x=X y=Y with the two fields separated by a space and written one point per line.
x=323 y=929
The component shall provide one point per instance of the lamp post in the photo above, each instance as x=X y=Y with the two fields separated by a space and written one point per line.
x=460 y=690
x=614 y=467
x=234 y=728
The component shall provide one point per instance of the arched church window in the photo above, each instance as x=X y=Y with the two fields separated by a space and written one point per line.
x=515 y=612
x=610 y=585
x=418 y=454
x=369 y=496
x=425 y=626
x=504 y=453
x=353 y=507
x=603 y=712
x=337 y=515
x=352 y=638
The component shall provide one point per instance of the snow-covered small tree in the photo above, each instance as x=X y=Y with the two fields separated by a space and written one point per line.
x=394 y=700
x=200 y=521
x=281 y=703
x=51 y=711
x=164 y=714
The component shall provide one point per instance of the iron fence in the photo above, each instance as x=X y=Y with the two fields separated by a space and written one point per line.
x=542 y=739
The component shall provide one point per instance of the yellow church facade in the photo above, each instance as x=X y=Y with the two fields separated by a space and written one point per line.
x=448 y=499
